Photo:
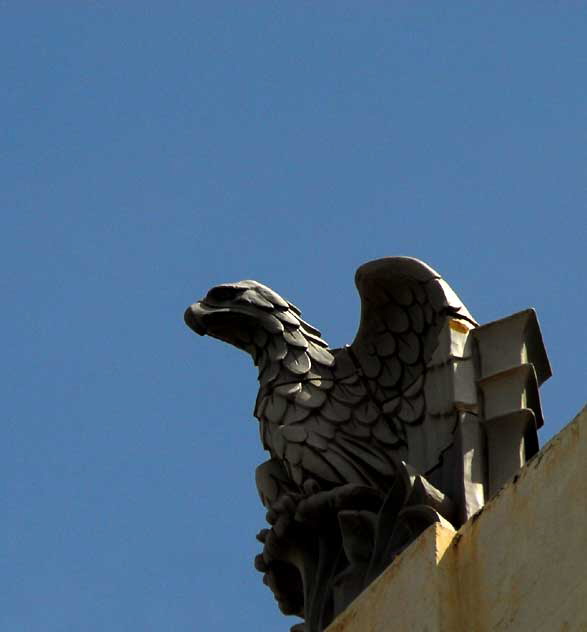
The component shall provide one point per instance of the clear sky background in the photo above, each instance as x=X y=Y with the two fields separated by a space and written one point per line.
x=151 y=150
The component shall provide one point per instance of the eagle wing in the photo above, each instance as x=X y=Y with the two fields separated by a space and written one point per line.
x=407 y=312
x=348 y=415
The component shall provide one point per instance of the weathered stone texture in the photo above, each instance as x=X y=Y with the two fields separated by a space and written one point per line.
x=519 y=565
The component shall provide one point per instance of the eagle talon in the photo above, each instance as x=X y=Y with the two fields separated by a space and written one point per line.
x=271 y=516
x=310 y=487
x=260 y=564
x=324 y=505
x=262 y=535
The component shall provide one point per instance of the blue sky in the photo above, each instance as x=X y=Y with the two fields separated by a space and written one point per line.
x=151 y=150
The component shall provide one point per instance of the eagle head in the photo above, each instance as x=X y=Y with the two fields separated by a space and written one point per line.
x=240 y=313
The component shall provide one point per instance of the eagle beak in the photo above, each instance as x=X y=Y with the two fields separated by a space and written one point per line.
x=192 y=320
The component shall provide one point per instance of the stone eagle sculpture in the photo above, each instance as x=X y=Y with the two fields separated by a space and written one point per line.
x=363 y=439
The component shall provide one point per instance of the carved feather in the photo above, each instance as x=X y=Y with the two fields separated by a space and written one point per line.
x=345 y=415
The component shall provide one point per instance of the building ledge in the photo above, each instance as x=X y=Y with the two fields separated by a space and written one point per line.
x=515 y=566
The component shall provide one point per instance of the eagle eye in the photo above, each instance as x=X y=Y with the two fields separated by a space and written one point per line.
x=224 y=293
